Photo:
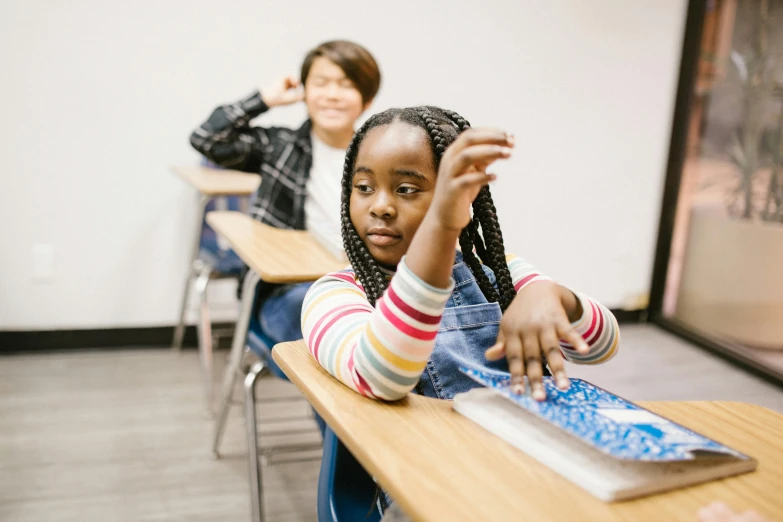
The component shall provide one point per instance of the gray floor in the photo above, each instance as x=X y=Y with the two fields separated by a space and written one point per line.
x=653 y=365
x=123 y=436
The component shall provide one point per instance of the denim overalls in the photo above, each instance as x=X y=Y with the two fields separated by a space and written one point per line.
x=468 y=327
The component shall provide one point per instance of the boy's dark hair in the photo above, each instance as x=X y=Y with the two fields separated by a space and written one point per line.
x=356 y=62
x=442 y=127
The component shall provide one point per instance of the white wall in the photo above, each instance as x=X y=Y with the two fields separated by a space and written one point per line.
x=100 y=97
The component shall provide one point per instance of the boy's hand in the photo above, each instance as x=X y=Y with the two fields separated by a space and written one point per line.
x=462 y=174
x=286 y=91
x=531 y=330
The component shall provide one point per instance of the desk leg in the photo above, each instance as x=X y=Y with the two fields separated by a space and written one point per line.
x=235 y=359
x=179 y=331
x=205 y=330
x=254 y=464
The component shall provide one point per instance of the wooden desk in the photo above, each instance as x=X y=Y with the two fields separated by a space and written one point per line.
x=217 y=182
x=210 y=184
x=440 y=466
x=277 y=256
x=274 y=256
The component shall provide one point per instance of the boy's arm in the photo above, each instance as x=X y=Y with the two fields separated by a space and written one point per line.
x=227 y=139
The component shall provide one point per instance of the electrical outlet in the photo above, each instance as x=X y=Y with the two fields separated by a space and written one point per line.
x=43 y=262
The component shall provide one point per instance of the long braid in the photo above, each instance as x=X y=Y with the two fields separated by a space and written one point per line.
x=495 y=257
x=469 y=236
x=478 y=242
x=490 y=248
x=365 y=267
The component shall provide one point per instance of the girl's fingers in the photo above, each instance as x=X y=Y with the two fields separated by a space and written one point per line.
x=550 y=346
x=498 y=350
x=480 y=156
x=483 y=136
x=567 y=333
x=535 y=371
x=479 y=179
x=472 y=138
x=516 y=364
x=495 y=352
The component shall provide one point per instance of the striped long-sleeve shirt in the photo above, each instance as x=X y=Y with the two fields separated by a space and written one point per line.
x=381 y=352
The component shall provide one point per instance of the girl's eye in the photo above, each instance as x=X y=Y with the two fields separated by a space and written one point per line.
x=363 y=189
x=406 y=191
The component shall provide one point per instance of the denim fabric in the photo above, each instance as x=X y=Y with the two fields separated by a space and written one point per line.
x=281 y=313
x=469 y=326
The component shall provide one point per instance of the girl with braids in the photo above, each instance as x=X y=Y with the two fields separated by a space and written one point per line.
x=412 y=309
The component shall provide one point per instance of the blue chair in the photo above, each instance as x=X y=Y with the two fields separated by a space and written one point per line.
x=250 y=337
x=222 y=260
x=346 y=493
x=260 y=345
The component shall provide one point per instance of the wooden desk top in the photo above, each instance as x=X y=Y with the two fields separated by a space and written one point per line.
x=277 y=256
x=216 y=182
x=441 y=466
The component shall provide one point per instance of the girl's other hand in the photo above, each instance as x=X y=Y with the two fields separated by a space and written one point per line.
x=531 y=330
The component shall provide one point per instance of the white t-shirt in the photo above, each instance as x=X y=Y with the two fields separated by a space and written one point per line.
x=322 y=205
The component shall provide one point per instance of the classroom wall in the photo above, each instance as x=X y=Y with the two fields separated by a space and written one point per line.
x=99 y=99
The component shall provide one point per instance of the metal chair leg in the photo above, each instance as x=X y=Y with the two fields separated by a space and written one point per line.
x=205 y=330
x=235 y=359
x=179 y=331
x=253 y=454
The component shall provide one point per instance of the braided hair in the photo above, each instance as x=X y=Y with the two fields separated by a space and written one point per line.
x=482 y=233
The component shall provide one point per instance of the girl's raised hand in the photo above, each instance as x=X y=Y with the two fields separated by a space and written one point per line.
x=462 y=173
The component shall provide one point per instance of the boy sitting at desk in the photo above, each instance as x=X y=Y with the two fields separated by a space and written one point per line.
x=300 y=169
